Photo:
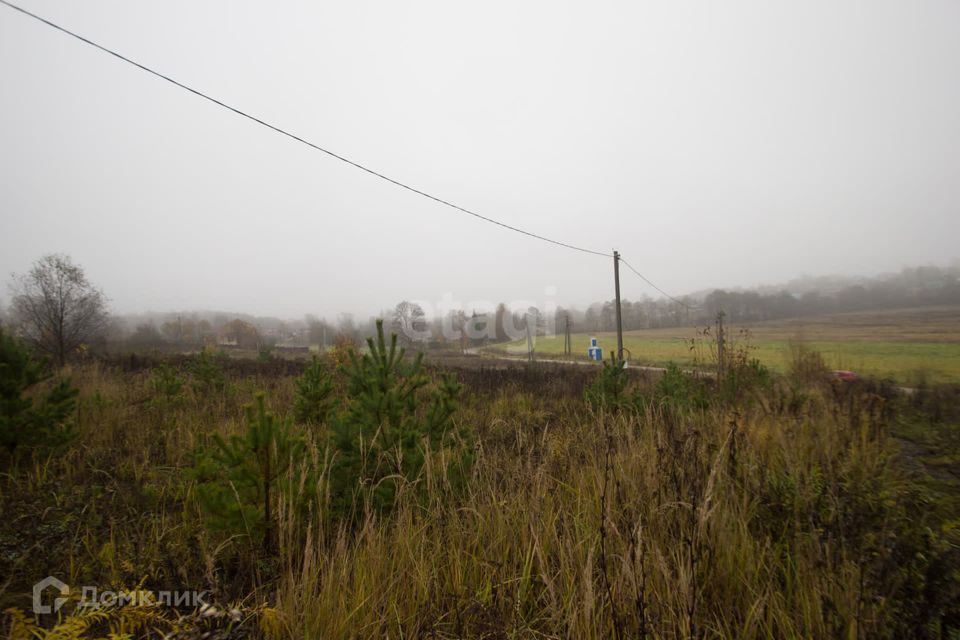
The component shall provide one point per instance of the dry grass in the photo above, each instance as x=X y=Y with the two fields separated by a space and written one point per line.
x=522 y=555
x=776 y=516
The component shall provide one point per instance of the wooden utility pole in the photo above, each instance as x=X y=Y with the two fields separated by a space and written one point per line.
x=616 y=283
x=567 y=343
x=721 y=346
x=529 y=338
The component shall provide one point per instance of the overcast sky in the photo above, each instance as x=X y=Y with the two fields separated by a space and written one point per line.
x=713 y=144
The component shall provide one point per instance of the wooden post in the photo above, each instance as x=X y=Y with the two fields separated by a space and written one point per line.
x=616 y=284
x=721 y=347
x=529 y=338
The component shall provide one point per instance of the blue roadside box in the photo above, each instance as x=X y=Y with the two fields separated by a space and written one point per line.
x=595 y=352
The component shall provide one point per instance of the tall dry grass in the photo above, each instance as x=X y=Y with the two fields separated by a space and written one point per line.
x=760 y=518
x=610 y=525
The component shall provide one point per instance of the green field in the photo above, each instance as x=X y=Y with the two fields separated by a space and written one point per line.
x=906 y=345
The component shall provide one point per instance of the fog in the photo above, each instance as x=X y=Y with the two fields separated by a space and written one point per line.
x=715 y=145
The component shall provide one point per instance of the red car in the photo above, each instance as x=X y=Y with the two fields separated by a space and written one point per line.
x=846 y=376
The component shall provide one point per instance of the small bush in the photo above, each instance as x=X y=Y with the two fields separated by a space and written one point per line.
x=207 y=373
x=743 y=378
x=678 y=389
x=392 y=419
x=265 y=353
x=165 y=383
x=343 y=346
x=609 y=387
x=238 y=478
x=31 y=420
x=314 y=400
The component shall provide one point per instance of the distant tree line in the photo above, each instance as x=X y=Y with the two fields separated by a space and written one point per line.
x=465 y=329
x=911 y=287
x=61 y=314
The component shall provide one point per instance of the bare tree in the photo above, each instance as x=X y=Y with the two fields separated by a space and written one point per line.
x=410 y=322
x=56 y=308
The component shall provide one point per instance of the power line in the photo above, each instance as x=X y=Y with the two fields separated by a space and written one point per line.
x=327 y=151
x=645 y=279
x=298 y=138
